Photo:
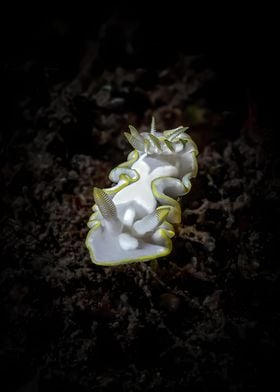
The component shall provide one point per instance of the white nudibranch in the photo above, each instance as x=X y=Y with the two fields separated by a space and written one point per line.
x=134 y=219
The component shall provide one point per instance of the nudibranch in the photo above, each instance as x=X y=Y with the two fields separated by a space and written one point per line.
x=134 y=219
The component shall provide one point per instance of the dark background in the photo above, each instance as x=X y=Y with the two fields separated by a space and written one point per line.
x=72 y=79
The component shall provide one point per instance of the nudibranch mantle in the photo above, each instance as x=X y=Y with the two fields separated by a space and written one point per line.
x=134 y=219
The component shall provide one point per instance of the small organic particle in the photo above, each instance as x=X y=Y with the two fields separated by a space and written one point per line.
x=134 y=219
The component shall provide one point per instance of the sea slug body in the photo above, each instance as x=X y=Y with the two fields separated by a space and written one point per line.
x=134 y=219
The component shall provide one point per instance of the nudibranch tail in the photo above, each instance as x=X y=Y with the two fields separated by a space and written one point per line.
x=133 y=220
